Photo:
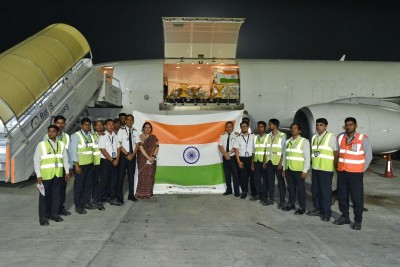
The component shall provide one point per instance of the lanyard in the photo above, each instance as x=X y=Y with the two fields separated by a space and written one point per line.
x=322 y=139
x=84 y=137
x=248 y=137
x=112 y=142
x=60 y=137
x=53 y=147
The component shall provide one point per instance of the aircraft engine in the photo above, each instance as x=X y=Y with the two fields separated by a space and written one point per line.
x=380 y=124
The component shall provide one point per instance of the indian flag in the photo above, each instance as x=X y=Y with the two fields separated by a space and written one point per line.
x=189 y=160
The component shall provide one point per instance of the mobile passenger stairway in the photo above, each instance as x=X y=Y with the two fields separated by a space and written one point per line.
x=49 y=74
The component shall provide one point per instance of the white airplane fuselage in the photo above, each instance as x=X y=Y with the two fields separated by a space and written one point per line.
x=281 y=88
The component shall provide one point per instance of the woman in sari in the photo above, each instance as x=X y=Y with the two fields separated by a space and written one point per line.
x=146 y=162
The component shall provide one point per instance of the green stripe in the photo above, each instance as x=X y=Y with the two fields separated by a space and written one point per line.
x=225 y=80
x=191 y=175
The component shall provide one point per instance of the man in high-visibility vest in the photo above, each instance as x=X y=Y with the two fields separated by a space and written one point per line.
x=99 y=131
x=260 y=141
x=355 y=155
x=275 y=151
x=82 y=157
x=324 y=155
x=59 y=121
x=50 y=163
x=296 y=164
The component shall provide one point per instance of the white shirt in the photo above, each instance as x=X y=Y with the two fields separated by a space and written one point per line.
x=110 y=143
x=245 y=143
x=224 y=138
x=123 y=138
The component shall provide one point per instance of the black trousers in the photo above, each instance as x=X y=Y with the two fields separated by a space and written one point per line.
x=108 y=175
x=83 y=185
x=96 y=179
x=351 y=183
x=259 y=176
x=126 y=166
x=244 y=174
x=63 y=191
x=252 y=183
x=321 y=189
x=296 y=187
x=231 y=171
x=49 y=205
x=272 y=171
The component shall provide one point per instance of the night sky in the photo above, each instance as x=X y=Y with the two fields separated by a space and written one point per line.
x=280 y=29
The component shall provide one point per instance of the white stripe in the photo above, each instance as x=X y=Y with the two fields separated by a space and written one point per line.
x=197 y=189
x=295 y=158
x=340 y=139
x=353 y=161
x=43 y=146
x=188 y=119
x=96 y=153
x=352 y=152
x=51 y=156
x=172 y=155
x=49 y=166
x=85 y=153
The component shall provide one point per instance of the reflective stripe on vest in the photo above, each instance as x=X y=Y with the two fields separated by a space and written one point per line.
x=259 y=148
x=66 y=140
x=325 y=160
x=294 y=154
x=351 y=157
x=276 y=147
x=51 y=165
x=96 y=150
x=85 y=151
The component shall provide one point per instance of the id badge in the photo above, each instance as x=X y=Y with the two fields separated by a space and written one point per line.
x=316 y=153
x=246 y=154
x=56 y=164
x=114 y=155
x=354 y=148
x=86 y=145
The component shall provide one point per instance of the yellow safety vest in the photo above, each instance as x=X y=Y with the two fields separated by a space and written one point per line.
x=51 y=160
x=259 y=147
x=96 y=150
x=294 y=154
x=322 y=153
x=276 y=146
x=85 y=150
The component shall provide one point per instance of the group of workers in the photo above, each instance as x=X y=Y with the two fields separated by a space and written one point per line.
x=98 y=160
x=260 y=158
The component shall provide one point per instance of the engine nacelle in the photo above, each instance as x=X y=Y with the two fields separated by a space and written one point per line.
x=381 y=125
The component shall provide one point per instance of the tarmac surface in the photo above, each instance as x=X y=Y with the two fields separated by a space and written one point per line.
x=200 y=230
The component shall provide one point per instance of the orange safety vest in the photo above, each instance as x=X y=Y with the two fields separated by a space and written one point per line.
x=351 y=156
